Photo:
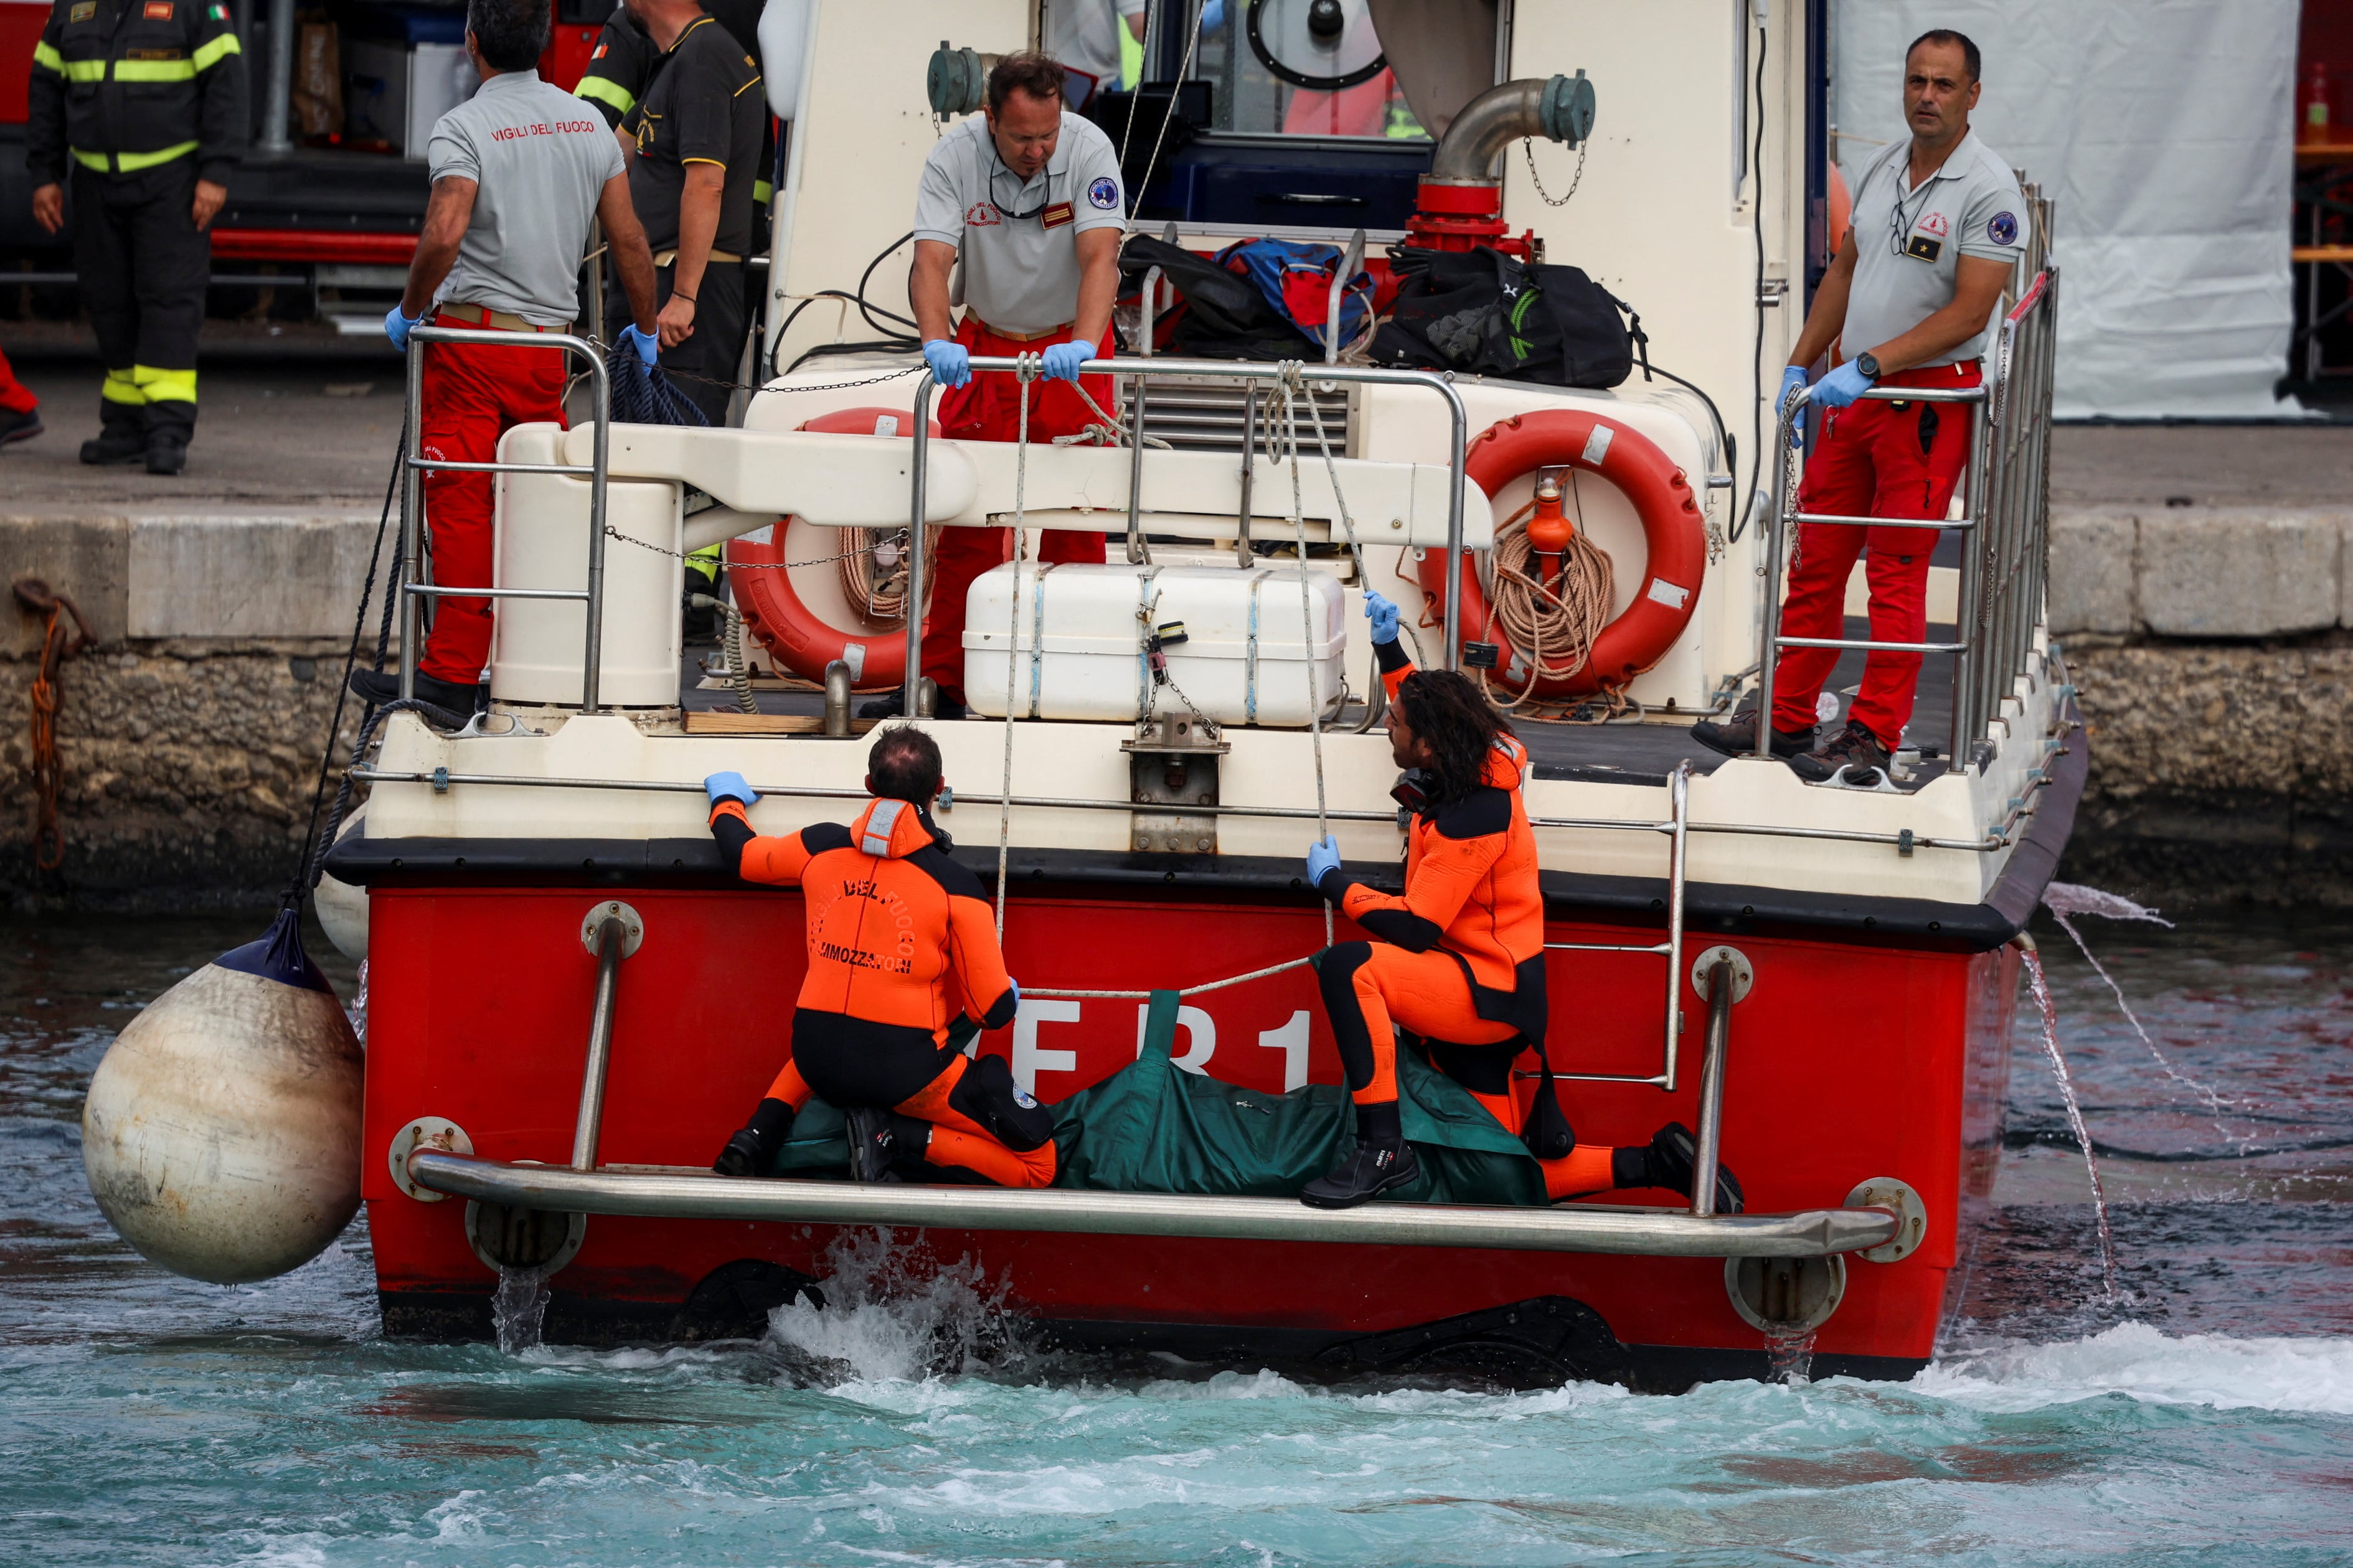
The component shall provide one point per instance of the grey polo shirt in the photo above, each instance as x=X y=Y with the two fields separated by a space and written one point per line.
x=1908 y=240
x=1020 y=261
x=541 y=158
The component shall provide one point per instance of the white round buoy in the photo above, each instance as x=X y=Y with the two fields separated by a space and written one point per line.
x=221 y=1134
x=342 y=908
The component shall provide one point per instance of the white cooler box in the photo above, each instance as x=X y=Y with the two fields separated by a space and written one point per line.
x=1079 y=652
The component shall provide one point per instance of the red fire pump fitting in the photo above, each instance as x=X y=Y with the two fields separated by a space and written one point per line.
x=1460 y=205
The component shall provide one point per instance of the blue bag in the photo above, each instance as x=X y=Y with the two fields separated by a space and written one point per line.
x=1297 y=280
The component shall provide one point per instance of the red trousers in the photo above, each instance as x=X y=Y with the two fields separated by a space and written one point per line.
x=472 y=396
x=14 y=396
x=1874 y=459
x=988 y=408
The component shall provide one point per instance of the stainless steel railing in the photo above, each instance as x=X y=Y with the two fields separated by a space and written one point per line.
x=1136 y=371
x=1677 y=828
x=2006 y=524
x=415 y=585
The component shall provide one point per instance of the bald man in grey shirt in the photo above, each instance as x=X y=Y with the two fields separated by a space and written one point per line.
x=519 y=172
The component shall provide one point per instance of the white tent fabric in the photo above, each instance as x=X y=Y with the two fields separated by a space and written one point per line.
x=2162 y=130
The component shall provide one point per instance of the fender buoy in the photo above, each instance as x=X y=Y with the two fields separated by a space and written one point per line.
x=794 y=634
x=1673 y=529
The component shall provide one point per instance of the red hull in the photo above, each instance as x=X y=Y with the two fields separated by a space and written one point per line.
x=479 y=1001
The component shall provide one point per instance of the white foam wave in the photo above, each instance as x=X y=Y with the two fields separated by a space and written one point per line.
x=2305 y=1375
x=894 y=1315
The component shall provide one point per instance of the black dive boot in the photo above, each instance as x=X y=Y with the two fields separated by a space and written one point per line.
x=1666 y=1162
x=873 y=1145
x=1381 y=1161
x=750 y=1151
x=122 y=438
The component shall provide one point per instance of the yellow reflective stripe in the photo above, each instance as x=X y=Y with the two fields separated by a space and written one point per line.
x=91 y=160
x=210 y=55
x=47 y=55
x=84 y=71
x=165 y=385
x=605 y=89
x=155 y=71
x=121 y=386
x=709 y=554
x=131 y=162
x=764 y=193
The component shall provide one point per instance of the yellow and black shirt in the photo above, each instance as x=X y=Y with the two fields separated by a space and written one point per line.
x=704 y=106
x=123 y=86
x=625 y=62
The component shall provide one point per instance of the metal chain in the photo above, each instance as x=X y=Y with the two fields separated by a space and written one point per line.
x=1528 y=146
x=747 y=387
x=899 y=538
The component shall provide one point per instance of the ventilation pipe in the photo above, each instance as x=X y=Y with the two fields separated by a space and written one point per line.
x=1461 y=201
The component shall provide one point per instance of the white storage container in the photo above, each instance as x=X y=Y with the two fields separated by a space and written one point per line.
x=1079 y=650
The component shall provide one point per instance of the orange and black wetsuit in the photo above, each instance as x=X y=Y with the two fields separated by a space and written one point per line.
x=1459 y=959
x=904 y=968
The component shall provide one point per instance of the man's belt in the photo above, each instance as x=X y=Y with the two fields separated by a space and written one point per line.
x=501 y=319
x=670 y=258
x=1024 y=337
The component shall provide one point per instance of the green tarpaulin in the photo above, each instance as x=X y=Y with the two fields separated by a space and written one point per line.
x=1155 y=1128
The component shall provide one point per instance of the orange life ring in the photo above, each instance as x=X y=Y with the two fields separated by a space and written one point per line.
x=795 y=635
x=1673 y=529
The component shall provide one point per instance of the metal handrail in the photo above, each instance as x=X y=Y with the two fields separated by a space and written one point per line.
x=675 y=1193
x=1136 y=370
x=2006 y=517
x=413 y=590
x=1676 y=827
x=1707 y=1149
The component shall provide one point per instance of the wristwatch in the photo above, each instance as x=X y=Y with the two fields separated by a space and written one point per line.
x=1868 y=365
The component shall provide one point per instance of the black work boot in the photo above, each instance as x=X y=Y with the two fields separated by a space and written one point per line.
x=378 y=687
x=1854 y=748
x=1666 y=1162
x=15 y=427
x=121 y=438
x=167 y=452
x=1737 y=737
x=873 y=1145
x=752 y=1151
x=1381 y=1162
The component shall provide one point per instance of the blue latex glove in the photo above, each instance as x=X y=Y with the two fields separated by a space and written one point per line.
x=1841 y=386
x=397 y=327
x=1793 y=380
x=1322 y=857
x=729 y=786
x=646 y=343
x=1382 y=615
x=1062 y=360
x=951 y=363
x=1016 y=989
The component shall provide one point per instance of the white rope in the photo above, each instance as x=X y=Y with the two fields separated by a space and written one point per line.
x=1025 y=371
x=1289 y=370
x=1184 y=990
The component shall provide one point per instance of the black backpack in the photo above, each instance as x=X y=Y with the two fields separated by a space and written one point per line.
x=1484 y=313
x=1224 y=315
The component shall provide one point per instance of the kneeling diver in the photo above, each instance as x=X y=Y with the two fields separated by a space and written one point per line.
x=904 y=968
x=1459 y=959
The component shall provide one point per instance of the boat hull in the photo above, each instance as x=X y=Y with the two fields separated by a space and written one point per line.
x=1852 y=1057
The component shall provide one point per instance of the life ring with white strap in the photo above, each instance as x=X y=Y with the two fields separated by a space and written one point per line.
x=1674 y=530
x=794 y=634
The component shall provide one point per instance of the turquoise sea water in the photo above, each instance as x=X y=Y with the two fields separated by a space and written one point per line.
x=2205 y=1416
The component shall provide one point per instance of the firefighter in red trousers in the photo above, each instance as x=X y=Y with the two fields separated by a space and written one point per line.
x=1939 y=223
x=518 y=172
x=1029 y=197
x=903 y=969
x=1458 y=959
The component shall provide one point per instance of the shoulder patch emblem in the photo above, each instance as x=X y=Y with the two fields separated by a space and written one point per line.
x=156 y=10
x=83 y=11
x=599 y=52
x=2002 y=228
x=1103 y=193
x=1025 y=1099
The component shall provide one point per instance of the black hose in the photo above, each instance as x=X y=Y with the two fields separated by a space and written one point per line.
x=907 y=342
x=1757 y=360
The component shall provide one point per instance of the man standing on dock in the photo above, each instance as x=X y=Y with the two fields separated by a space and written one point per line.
x=518 y=170
x=1939 y=223
x=145 y=99
x=1030 y=198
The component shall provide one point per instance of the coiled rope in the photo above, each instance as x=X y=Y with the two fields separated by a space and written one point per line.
x=1554 y=625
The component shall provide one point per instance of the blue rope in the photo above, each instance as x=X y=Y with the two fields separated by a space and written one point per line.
x=642 y=394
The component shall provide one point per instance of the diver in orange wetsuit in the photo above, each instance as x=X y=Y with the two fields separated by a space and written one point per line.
x=903 y=969
x=1460 y=957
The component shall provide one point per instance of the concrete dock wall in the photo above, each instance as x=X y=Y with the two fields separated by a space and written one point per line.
x=2213 y=648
